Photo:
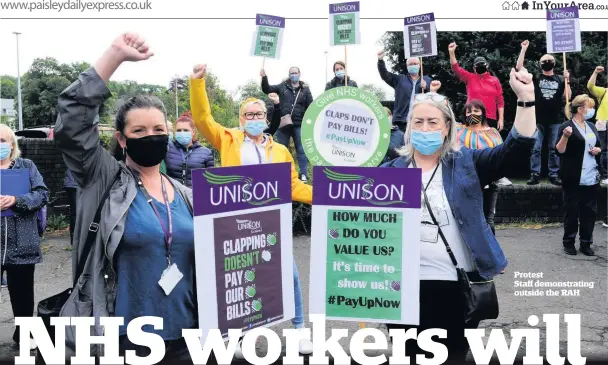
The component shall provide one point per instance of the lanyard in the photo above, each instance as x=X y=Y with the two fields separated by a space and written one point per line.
x=184 y=164
x=258 y=153
x=168 y=233
x=432 y=176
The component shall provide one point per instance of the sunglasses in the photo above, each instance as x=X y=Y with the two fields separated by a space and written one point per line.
x=433 y=96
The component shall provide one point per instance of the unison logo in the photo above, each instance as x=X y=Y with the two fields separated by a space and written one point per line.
x=357 y=187
x=233 y=189
x=560 y=14
x=254 y=226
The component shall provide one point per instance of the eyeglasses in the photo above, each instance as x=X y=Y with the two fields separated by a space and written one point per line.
x=433 y=96
x=258 y=115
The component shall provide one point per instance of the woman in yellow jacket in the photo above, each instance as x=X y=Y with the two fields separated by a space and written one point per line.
x=249 y=146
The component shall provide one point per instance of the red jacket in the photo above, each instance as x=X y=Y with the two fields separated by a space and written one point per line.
x=484 y=87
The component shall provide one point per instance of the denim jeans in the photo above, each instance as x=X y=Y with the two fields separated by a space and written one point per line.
x=550 y=133
x=284 y=135
x=298 y=320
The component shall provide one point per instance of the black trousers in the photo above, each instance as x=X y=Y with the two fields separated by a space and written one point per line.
x=441 y=306
x=580 y=204
x=72 y=201
x=604 y=155
x=20 y=280
x=490 y=197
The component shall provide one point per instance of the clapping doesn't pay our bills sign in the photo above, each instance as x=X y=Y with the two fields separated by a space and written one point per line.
x=420 y=36
x=268 y=36
x=344 y=26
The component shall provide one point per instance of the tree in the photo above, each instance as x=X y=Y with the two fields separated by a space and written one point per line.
x=8 y=87
x=501 y=50
x=42 y=84
x=380 y=94
x=251 y=89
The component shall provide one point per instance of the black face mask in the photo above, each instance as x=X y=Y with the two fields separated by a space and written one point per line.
x=149 y=150
x=481 y=68
x=547 y=66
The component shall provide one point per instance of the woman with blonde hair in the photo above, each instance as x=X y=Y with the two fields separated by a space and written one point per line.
x=249 y=145
x=579 y=147
x=455 y=237
x=20 y=237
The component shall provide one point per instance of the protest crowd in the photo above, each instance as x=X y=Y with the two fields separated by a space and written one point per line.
x=140 y=196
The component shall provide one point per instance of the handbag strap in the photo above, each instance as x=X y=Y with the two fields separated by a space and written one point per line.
x=295 y=101
x=93 y=229
x=445 y=241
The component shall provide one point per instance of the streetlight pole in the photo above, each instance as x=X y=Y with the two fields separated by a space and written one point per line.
x=19 y=84
x=176 y=101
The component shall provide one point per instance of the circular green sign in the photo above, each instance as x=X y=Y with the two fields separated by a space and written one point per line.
x=346 y=126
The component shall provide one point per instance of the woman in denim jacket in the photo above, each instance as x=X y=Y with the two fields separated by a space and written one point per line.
x=453 y=176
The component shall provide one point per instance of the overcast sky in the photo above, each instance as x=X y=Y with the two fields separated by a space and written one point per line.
x=224 y=44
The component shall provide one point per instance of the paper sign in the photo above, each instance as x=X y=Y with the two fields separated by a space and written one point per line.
x=268 y=36
x=346 y=126
x=366 y=244
x=420 y=36
x=563 y=30
x=344 y=26
x=243 y=246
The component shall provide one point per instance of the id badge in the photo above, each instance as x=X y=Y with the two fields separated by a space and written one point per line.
x=429 y=233
x=169 y=279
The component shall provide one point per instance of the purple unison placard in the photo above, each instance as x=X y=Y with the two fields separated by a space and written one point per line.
x=367 y=187
x=563 y=13
x=228 y=189
x=352 y=7
x=269 y=20
x=417 y=19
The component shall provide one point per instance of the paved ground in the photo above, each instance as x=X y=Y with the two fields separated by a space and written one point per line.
x=528 y=251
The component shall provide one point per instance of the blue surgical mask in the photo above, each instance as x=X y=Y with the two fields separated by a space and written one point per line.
x=590 y=113
x=427 y=143
x=413 y=69
x=340 y=74
x=255 y=127
x=5 y=150
x=184 y=138
x=294 y=78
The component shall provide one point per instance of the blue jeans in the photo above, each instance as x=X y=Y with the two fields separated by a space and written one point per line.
x=550 y=133
x=298 y=320
x=283 y=136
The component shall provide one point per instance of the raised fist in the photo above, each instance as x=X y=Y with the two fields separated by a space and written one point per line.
x=599 y=69
x=452 y=47
x=380 y=54
x=521 y=83
x=568 y=132
x=131 y=47
x=262 y=73
x=435 y=85
x=274 y=97
x=525 y=44
x=199 y=72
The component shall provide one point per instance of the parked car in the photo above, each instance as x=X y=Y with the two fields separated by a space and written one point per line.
x=41 y=131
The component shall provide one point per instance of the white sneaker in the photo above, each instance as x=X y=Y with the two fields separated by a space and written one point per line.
x=504 y=182
x=33 y=344
x=238 y=353
x=604 y=182
x=605 y=224
x=305 y=343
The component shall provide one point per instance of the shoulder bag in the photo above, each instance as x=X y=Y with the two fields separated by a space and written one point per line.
x=286 y=119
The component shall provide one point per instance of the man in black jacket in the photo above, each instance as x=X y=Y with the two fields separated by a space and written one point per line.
x=338 y=80
x=295 y=97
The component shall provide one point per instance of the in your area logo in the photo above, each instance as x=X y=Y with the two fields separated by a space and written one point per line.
x=358 y=187
x=231 y=189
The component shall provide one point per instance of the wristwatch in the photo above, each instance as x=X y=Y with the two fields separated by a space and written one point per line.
x=526 y=104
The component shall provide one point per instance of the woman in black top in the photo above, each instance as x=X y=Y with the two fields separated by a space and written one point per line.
x=579 y=149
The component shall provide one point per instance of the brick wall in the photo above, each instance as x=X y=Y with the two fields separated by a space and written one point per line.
x=49 y=162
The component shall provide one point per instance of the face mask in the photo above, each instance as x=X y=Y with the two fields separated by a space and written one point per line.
x=149 y=150
x=473 y=119
x=413 y=69
x=427 y=143
x=481 y=68
x=547 y=66
x=590 y=113
x=255 y=127
x=5 y=150
x=183 y=138
x=340 y=74
x=294 y=78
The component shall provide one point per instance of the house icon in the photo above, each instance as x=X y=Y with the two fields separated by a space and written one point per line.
x=524 y=5
x=506 y=5
x=515 y=6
